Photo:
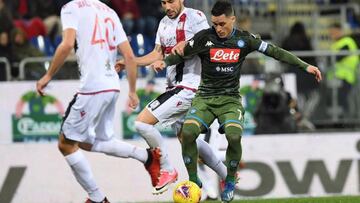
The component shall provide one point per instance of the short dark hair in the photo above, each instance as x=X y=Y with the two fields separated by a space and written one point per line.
x=222 y=7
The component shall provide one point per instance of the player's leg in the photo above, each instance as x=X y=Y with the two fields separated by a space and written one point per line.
x=210 y=158
x=230 y=116
x=106 y=143
x=80 y=168
x=144 y=125
x=68 y=146
x=197 y=120
x=169 y=108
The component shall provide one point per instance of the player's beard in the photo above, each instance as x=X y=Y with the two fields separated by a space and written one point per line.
x=176 y=13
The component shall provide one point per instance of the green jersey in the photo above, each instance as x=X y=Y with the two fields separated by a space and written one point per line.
x=221 y=59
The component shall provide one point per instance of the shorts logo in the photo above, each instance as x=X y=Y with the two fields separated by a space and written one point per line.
x=224 y=55
x=241 y=43
x=187 y=160
x=233 y=163
x=179 y=103
x=82 y=113
x=154 y=104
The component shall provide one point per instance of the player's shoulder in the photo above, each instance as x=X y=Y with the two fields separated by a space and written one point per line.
x=204 y=34
x=194 y=14
x=69 y=4
x=247 y=34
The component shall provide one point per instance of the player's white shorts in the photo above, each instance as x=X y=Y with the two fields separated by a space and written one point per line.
x=170 y=107
x=90 y=117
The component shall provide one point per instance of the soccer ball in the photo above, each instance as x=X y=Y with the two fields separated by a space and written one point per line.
x=187 y=192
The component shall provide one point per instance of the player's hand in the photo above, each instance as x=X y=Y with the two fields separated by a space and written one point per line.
x=120 y=65
x=179 y=48
x=42 y=83
x=315 y=71
x=133 y=100
x=158 y=65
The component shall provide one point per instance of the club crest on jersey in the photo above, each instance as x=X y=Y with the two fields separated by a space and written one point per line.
x=209 y=44
x=241 y=43
x=224 y=55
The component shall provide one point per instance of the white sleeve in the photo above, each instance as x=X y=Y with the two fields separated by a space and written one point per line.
x=119 y=32
x=199 y=22
x=157 y=39
x=69 y=18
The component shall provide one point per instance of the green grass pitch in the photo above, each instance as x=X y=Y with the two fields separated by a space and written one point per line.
x=336 y=199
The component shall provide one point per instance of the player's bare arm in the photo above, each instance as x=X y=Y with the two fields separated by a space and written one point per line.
x=158 y=65
x=61 y=53
x=130 y=65
x=179 y=48
x=149 y=58
x=156 y=54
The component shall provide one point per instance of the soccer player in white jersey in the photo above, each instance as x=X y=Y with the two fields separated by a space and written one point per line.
x=88 y=121
x=179 y=24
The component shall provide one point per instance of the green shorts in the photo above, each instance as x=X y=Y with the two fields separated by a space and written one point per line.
x=226 y=109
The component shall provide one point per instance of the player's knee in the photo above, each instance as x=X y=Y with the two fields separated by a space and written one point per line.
x=142 y=128
x=233 y=132
x=66 y=147
x=190 y=132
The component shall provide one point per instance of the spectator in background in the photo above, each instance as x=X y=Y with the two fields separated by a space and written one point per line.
x=23 y=13
x=308 y=98
x=151 y=13
x=21 y=48
x=6 y=22
x=346 y=67
x=250 y=65
x=5 y=51
x=46 y=10
x=274 y=115
x=129 y=13
x=59 y=4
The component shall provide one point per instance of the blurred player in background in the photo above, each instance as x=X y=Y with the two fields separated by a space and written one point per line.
x=222 y=49
x=179 y=24
x=88 y=121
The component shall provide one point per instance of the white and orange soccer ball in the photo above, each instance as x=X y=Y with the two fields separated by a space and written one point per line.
x=187 y=192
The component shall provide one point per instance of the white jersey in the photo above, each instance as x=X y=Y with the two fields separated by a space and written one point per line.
x=172 y=31
x=98 y=33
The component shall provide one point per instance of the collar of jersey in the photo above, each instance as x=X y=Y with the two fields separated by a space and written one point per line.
x=177 y=18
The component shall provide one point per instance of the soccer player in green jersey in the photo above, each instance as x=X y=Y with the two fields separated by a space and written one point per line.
x=222 y=50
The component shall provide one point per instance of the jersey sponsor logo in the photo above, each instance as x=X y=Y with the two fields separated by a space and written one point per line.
x=224 y=55
x=225 y=69
x=209 y=44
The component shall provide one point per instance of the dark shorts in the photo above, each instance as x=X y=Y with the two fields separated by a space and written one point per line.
x=226 y=109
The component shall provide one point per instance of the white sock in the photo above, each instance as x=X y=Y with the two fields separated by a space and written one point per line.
x=82 y=171
x=209 y=157
x=154 y=139
x=115 y=147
